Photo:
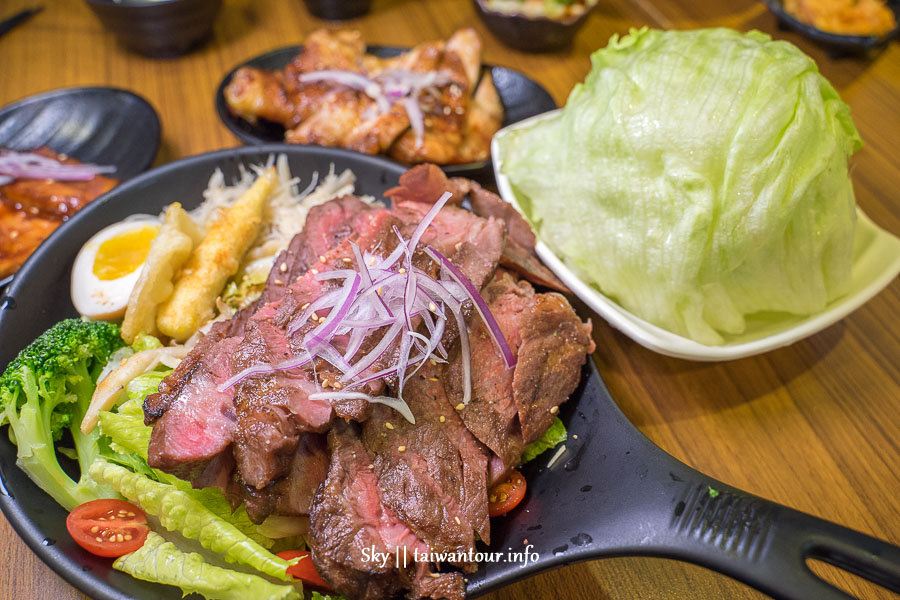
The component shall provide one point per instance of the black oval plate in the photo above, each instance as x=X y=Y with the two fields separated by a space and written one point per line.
x=39 y=297
x=100 y=125
x=522 y=97
x=837 y=44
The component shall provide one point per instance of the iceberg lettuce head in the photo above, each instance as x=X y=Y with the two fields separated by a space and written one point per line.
x=696 y=177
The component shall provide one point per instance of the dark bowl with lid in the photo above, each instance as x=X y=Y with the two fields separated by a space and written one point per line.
x=158 y=28
x=532 y=33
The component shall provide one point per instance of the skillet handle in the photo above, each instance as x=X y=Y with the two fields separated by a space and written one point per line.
x=766 y=545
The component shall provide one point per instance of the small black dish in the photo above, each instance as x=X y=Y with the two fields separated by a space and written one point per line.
x=838 y=45
x=338 y=10
x=100 y=125
x=521 y=96
x=158 y=28
x=531 y=34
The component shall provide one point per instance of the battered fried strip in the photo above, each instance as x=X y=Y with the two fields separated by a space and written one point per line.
x=170 y=249
x=215 y=260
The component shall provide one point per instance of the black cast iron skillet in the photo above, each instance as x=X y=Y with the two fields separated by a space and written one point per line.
x=612 y=493
x=521 y=97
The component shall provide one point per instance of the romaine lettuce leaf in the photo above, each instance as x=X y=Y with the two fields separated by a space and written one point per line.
x=162 y=562
x=696 y=177
x=180 y=510
x=555 y=435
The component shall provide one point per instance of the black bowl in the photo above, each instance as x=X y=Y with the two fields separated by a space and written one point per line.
x=837 y=44
x=338 y=10
x=158 y=28
x=521 y=97
x=531 y=34
x=100 y=125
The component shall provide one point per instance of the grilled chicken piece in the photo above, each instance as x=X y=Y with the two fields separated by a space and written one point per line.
x=460 y=117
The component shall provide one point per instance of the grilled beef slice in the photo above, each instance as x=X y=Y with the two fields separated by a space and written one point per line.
x=348 y=522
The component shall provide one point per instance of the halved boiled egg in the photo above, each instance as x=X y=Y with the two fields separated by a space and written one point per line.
x=108 y=266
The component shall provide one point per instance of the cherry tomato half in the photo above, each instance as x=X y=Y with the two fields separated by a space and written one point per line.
x=304 y=570
x=108 y=527
x=506 y=495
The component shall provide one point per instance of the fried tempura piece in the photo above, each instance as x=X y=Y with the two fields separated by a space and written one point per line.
x=170 y=249
x=215 y=260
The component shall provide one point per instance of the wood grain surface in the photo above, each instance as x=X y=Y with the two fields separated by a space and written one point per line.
x=814 y=426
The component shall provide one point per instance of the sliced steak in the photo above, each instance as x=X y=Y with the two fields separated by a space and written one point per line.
x=348 y=523
x=273 y=409
x=555 y=344
x=492 y=414
x=292 y=495
x=433 y=474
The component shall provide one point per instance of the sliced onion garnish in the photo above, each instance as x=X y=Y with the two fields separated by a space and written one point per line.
x=292 y=363
x=396 y=403
x=416 y=118
x=480 y=305
x=4 y=179
x=401 y=310
x=28 y=165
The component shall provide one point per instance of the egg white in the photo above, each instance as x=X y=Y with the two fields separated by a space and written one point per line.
x=93 y=297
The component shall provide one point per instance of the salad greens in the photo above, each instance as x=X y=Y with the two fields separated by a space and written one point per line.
x=45 y=392
x=554 y=436
x=162 y=562
x=182 y=511
x=696 y=177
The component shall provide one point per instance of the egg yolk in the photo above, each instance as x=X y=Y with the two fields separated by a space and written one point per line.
x=120 y=255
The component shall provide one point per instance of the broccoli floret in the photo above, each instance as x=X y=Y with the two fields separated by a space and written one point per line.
x=45 y=391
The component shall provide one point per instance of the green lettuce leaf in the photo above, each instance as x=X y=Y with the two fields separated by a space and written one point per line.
x=180 y=510
x=696 y=177
x=318 y=596
x=555 y=435
x=162 y=562
x=143 y=385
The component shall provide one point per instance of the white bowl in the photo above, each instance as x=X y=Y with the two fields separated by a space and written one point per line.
x=876 y=262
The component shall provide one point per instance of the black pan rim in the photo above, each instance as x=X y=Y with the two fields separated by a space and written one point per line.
x=836 y=41
x=231 y=121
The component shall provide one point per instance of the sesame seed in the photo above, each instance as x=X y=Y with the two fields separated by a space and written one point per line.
x=321 y=259
x=402 y=448
x=433 y=362
x=101 y=518
x=432 y=379
x=314 y=317
x=554 y=410
x=127 y=537
x=119 y=537
x=325 y=383
x=314 y=271
x=446 y=110
x=372 y=262
x=279 y=282
x=322 y=320
x=371 y=467
x=389 y=425
x=435 y=575
x=305 y=306
x=283 y=267
x=95 y=529
x=299 y=277
x=575 y=437
x=458 y=245
x=443 y=418
x=503 y=497
x=337 y=385
x=112 y=517
x=402 y=270
x=432 y=307
x=458 y=522
x=99 y=539
x=379 y=290
x=460 y=406
x=347 y=260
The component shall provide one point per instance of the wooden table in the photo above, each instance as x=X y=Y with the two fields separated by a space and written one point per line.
x=814 y=426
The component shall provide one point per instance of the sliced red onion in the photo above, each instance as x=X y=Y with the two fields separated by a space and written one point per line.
x=352 y=80
x=388 y=262
x=480 y=305
x=326 y=300
x=324 y=332
x=396 y=403
x=28 y=165
x=376 y=353
x=292 y=363
x=5 y=179
x=416 y=118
